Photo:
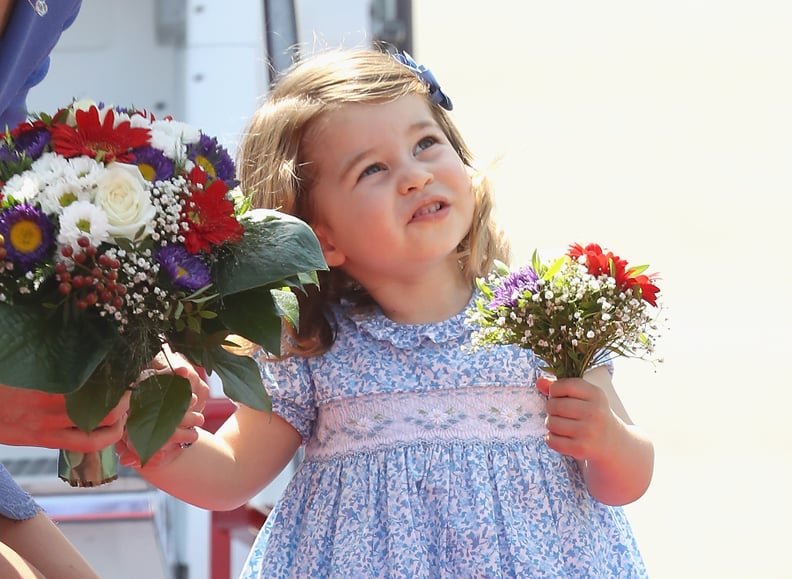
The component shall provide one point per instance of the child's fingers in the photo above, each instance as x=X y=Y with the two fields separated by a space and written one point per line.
x=191 y=420
x=543 y=384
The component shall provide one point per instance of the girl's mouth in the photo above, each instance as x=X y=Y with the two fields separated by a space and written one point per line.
x=428 y=209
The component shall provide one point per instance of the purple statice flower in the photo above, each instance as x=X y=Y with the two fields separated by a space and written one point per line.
x=184 y=270
x=153 y=164
x=213 y=158
x=513 y=287
x=27 y=236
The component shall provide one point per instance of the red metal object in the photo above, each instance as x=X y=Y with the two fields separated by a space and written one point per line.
x=245 y=519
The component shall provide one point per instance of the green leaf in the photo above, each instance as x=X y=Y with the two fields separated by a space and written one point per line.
x=274 y=246
x=242 y=380
x=501 y=268
x=255 y=315
x=637 y=270
x=40 y=352
x=88 y=405
x=288 y=306
x=555 y=267
x=156 y=408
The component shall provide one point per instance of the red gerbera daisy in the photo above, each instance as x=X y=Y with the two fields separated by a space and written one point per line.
x=100 y=140
x=600 y=263
x=209 y=215
x=645 y=283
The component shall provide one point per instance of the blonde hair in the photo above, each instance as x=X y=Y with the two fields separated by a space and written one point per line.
x=273 y=169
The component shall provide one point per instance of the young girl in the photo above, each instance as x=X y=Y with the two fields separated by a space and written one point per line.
x=422 y=458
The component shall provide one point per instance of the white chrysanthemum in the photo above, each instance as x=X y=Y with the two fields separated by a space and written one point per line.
x=83 y=219
x=68 y=181
x=62 y=193
x=51 y=167
x=139 y=121
x=85 y=168
x=23 y=187
x=172 y=137
x=119 y=117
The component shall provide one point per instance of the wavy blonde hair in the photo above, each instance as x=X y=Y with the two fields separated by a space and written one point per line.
x=274 y=171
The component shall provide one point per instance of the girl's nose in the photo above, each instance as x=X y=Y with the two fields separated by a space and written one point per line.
x=414 y=178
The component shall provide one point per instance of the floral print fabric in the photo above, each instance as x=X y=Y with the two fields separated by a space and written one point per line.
x=15 y=503
x=424 y=459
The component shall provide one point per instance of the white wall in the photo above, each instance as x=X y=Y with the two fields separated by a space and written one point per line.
x=664 y=131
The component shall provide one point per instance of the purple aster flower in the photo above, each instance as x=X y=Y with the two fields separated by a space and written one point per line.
x=513 y=287
x=8 y=154
x=153 y=164
x=28 y=144
x=27 y=236
x=32 y=142
x=213 y=158
x=184 y=269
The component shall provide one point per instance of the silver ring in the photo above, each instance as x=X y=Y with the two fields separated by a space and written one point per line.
x=184 y=445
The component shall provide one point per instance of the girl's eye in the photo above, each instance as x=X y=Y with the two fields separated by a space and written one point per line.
x=425 y=143
x=371 y=169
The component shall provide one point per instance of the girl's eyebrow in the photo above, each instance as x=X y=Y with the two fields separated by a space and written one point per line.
x=417 y=126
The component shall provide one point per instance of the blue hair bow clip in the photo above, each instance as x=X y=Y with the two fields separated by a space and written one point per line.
x=436 y=95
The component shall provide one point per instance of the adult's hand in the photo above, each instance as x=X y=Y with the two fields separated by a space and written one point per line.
x=33 y=418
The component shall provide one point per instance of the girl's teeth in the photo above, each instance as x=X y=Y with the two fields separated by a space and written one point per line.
x=429 y=209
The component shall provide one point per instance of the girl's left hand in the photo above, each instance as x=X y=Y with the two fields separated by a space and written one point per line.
x=580 y=422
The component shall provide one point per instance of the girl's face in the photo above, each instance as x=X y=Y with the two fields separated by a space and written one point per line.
x=391 y=196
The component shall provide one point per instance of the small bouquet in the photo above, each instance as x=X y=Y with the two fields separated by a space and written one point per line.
x=119 y=234
x=574 y=312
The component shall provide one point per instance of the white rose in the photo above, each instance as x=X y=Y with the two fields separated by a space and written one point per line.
x=123 y=194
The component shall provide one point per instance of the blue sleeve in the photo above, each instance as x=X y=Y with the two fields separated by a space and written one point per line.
x=15 y=503
x=291 y=388
x=25 y=47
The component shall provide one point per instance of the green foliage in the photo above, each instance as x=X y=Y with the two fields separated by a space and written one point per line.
x=42 y=352
x=275 y=249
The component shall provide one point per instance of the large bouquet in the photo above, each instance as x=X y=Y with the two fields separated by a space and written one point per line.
x=121 y=233
x=574 y=312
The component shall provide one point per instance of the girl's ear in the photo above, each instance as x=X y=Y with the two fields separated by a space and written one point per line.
x=333 y=256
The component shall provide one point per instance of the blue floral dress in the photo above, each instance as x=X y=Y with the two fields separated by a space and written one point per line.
x=424 y=459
